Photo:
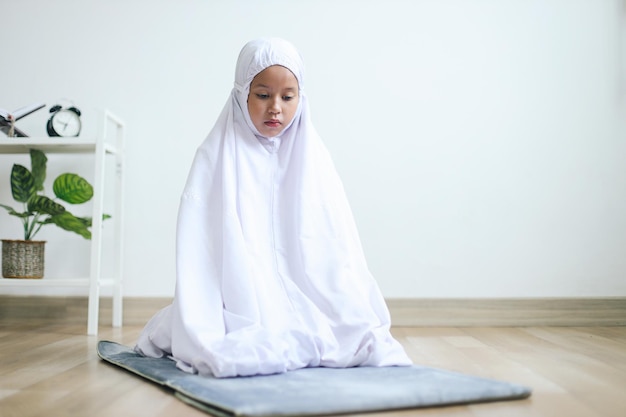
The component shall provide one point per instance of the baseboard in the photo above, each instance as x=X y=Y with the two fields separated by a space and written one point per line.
x=610 y=311
x=73 y=309
x=404 y=312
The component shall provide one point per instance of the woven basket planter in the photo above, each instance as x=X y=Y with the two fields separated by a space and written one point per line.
x=22 y=258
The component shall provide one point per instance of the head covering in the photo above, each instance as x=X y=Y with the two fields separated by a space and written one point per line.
x=271 y=275
x=257 y=55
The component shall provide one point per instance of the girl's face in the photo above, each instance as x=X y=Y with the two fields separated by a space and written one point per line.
x=273 y=100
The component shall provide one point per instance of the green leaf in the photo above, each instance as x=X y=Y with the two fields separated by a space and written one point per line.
x=43 y=204
x=89 y=221
x=38 y=165
x=69 y=222
x=22 y=183
x=72 y=188
x=12 y=212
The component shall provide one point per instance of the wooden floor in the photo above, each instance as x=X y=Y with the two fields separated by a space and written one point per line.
x=49 y=369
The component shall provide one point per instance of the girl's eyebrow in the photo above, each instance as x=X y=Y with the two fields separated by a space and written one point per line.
x=266 y=86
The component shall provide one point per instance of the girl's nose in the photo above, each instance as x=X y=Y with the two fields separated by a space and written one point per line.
x=274 y=107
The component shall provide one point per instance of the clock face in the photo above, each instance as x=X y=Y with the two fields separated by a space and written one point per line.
x=66 y=123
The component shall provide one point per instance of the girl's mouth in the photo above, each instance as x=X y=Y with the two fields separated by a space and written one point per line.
x=272 y=123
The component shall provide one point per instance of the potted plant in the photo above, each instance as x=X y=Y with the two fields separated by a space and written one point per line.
x=25 y=258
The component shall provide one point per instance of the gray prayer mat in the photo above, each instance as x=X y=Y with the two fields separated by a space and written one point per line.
x=315 y=391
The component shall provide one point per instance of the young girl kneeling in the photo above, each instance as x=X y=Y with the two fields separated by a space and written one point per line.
x=271 y=276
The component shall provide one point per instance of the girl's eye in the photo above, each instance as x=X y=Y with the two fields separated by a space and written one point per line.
x=262 y=96
x=288 y=98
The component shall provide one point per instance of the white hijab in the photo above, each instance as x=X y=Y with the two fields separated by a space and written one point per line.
x=271 y=275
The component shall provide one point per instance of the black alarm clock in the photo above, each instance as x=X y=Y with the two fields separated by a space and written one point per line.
x=64 y=121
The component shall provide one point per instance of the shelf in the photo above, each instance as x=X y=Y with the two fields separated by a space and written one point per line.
x=17 y=145
x=52 y=282
x=44 y=282
x=100 y=148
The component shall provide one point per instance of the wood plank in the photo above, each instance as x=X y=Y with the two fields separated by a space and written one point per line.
x=594 y=386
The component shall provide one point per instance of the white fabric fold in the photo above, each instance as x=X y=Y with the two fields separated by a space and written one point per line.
x=271 y=275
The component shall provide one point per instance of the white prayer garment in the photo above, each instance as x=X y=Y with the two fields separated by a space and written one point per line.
x=271 y=275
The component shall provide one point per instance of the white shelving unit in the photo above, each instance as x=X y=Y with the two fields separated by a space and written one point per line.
x=100 y=147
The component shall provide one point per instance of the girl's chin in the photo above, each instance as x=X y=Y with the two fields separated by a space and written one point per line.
x=270 y=132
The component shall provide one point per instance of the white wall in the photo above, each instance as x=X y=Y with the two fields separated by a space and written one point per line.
x=482 y=143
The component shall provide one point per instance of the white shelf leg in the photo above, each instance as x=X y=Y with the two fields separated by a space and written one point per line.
x=119 y=219
x=96 y=239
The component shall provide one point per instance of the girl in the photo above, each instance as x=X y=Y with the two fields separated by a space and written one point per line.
x=271 y=275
